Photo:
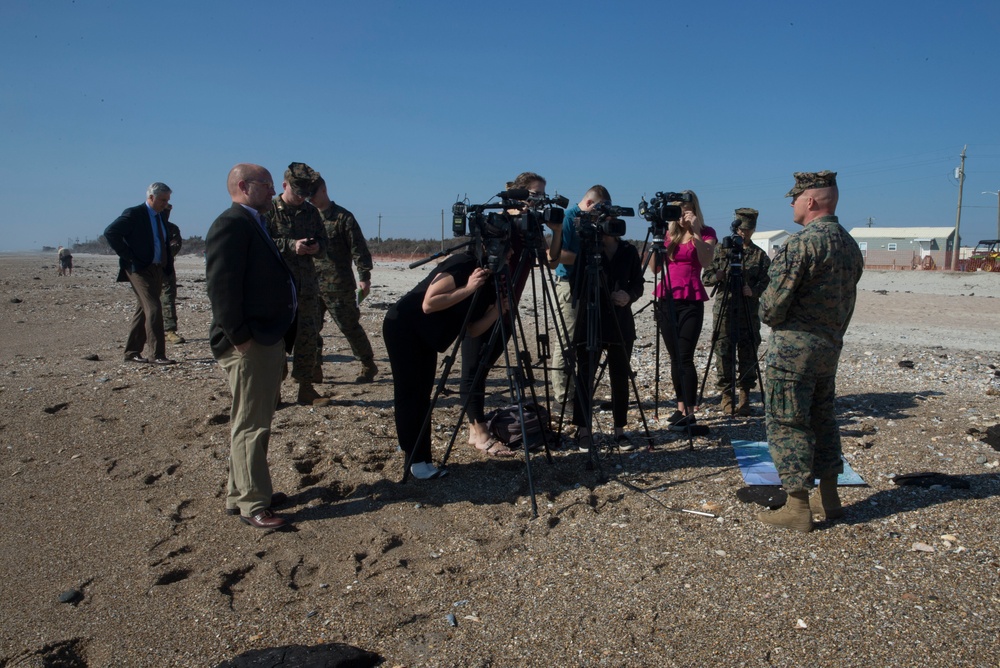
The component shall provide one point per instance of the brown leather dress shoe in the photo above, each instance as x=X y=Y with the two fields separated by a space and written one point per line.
x=278 y=499
x=265 y=519
x=163 y=361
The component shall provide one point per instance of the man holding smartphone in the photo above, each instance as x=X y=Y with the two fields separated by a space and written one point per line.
x=298 y=232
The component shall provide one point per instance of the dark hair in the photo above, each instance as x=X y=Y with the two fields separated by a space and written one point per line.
x=524 y=178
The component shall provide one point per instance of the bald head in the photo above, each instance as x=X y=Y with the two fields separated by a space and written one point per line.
x=250 y=185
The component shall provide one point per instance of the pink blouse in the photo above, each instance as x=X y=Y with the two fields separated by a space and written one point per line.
x=685 y=272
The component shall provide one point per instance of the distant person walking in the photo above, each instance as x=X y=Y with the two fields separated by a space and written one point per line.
x=139 y=237
x=65 y=262
x=808 y=304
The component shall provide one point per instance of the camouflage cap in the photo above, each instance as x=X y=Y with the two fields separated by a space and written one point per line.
x=301 y=177
x=809 y=180
x=747 y=218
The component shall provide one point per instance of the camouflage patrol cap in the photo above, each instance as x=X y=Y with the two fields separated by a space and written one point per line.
x=747 y=218
x=809 y=180
x=302 y=178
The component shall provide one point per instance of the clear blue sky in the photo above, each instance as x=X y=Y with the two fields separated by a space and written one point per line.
x=404 y=105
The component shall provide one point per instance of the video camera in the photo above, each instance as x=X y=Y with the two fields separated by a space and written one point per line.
x=733 y=245
x=603 y=218
x=492 y=226
x=660 y=212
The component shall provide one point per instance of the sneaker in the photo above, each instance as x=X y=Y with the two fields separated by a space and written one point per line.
x=684 y=423
x=584 y=442
x=426 y=471
x=174 y=337
x=674 y=417
x=624 y=444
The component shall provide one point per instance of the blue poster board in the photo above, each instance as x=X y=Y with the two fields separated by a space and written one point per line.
x=754 y=459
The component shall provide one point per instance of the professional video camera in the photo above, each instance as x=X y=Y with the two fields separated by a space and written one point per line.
x=660 y=212
x=493 y=224
x=733 y=244
x=602 y=219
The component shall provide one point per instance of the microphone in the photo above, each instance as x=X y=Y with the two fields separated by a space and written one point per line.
x=519 y=194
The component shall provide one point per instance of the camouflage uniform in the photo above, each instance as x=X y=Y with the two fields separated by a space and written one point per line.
x=755 y=266
x=337 y=287
x=808 y=305
x=168 y=296
x=287 y=224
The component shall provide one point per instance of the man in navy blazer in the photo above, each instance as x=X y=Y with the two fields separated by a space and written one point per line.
x=139 y=237
x=253 y=307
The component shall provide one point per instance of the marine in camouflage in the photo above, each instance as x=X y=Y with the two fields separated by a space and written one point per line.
x=808 y=304
x=346 y=249
x=739 y=309
x=168 y=295
x=287 y=224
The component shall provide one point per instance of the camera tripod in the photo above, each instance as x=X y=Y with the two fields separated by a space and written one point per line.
x=742 y=335
x=591 y=283
x=520 y=379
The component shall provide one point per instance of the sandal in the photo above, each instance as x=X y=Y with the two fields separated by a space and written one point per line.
x=497 y=449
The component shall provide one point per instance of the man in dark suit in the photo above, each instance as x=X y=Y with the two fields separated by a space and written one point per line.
x=253 y=308
x=139 y=237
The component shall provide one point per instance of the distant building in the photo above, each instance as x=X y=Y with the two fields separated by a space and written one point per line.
x=771 y=242
x=905 y=247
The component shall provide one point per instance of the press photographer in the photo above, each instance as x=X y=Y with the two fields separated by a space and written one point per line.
x=608 y=279
x=687 y=246
x=739 y=274
x=428 y=319
x=527 y=212
x=562 y=389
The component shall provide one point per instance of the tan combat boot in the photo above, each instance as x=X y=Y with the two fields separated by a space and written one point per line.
x=368 y=372
x=743 y=407
x=825 y=501
x=308 y=396
x=173 y=337
x=794 y=515
x=726 y=405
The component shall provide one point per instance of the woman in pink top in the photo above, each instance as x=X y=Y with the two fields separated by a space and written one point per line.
x=681 y=303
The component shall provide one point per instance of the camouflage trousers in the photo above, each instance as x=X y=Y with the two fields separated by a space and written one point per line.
x=802 y=430
x=347 y=316
x=307 y=366
x=746 y=360
x=168 y=302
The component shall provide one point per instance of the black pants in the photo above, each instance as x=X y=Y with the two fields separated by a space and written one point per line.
x=618 y=377
x=681 y=339
x=473 y=351
x=413 y=370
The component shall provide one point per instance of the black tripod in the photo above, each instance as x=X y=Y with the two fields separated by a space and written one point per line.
x=592 y=285
x=742 y=340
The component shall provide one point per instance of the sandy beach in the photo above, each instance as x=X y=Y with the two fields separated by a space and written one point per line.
x=113 y=477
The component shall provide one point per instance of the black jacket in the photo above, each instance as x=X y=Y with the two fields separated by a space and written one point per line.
x=248 y=283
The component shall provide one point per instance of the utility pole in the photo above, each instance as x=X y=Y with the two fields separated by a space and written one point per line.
x=871 y=221
x=958 y=215
x=442 y=229
x=380 y=228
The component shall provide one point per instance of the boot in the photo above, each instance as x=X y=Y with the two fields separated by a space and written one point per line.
x=308 y=396
x=726 y=406
x=172 y=336
x=825 y=501
x=794 y=515
x=743 y=407
x=368 y=372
